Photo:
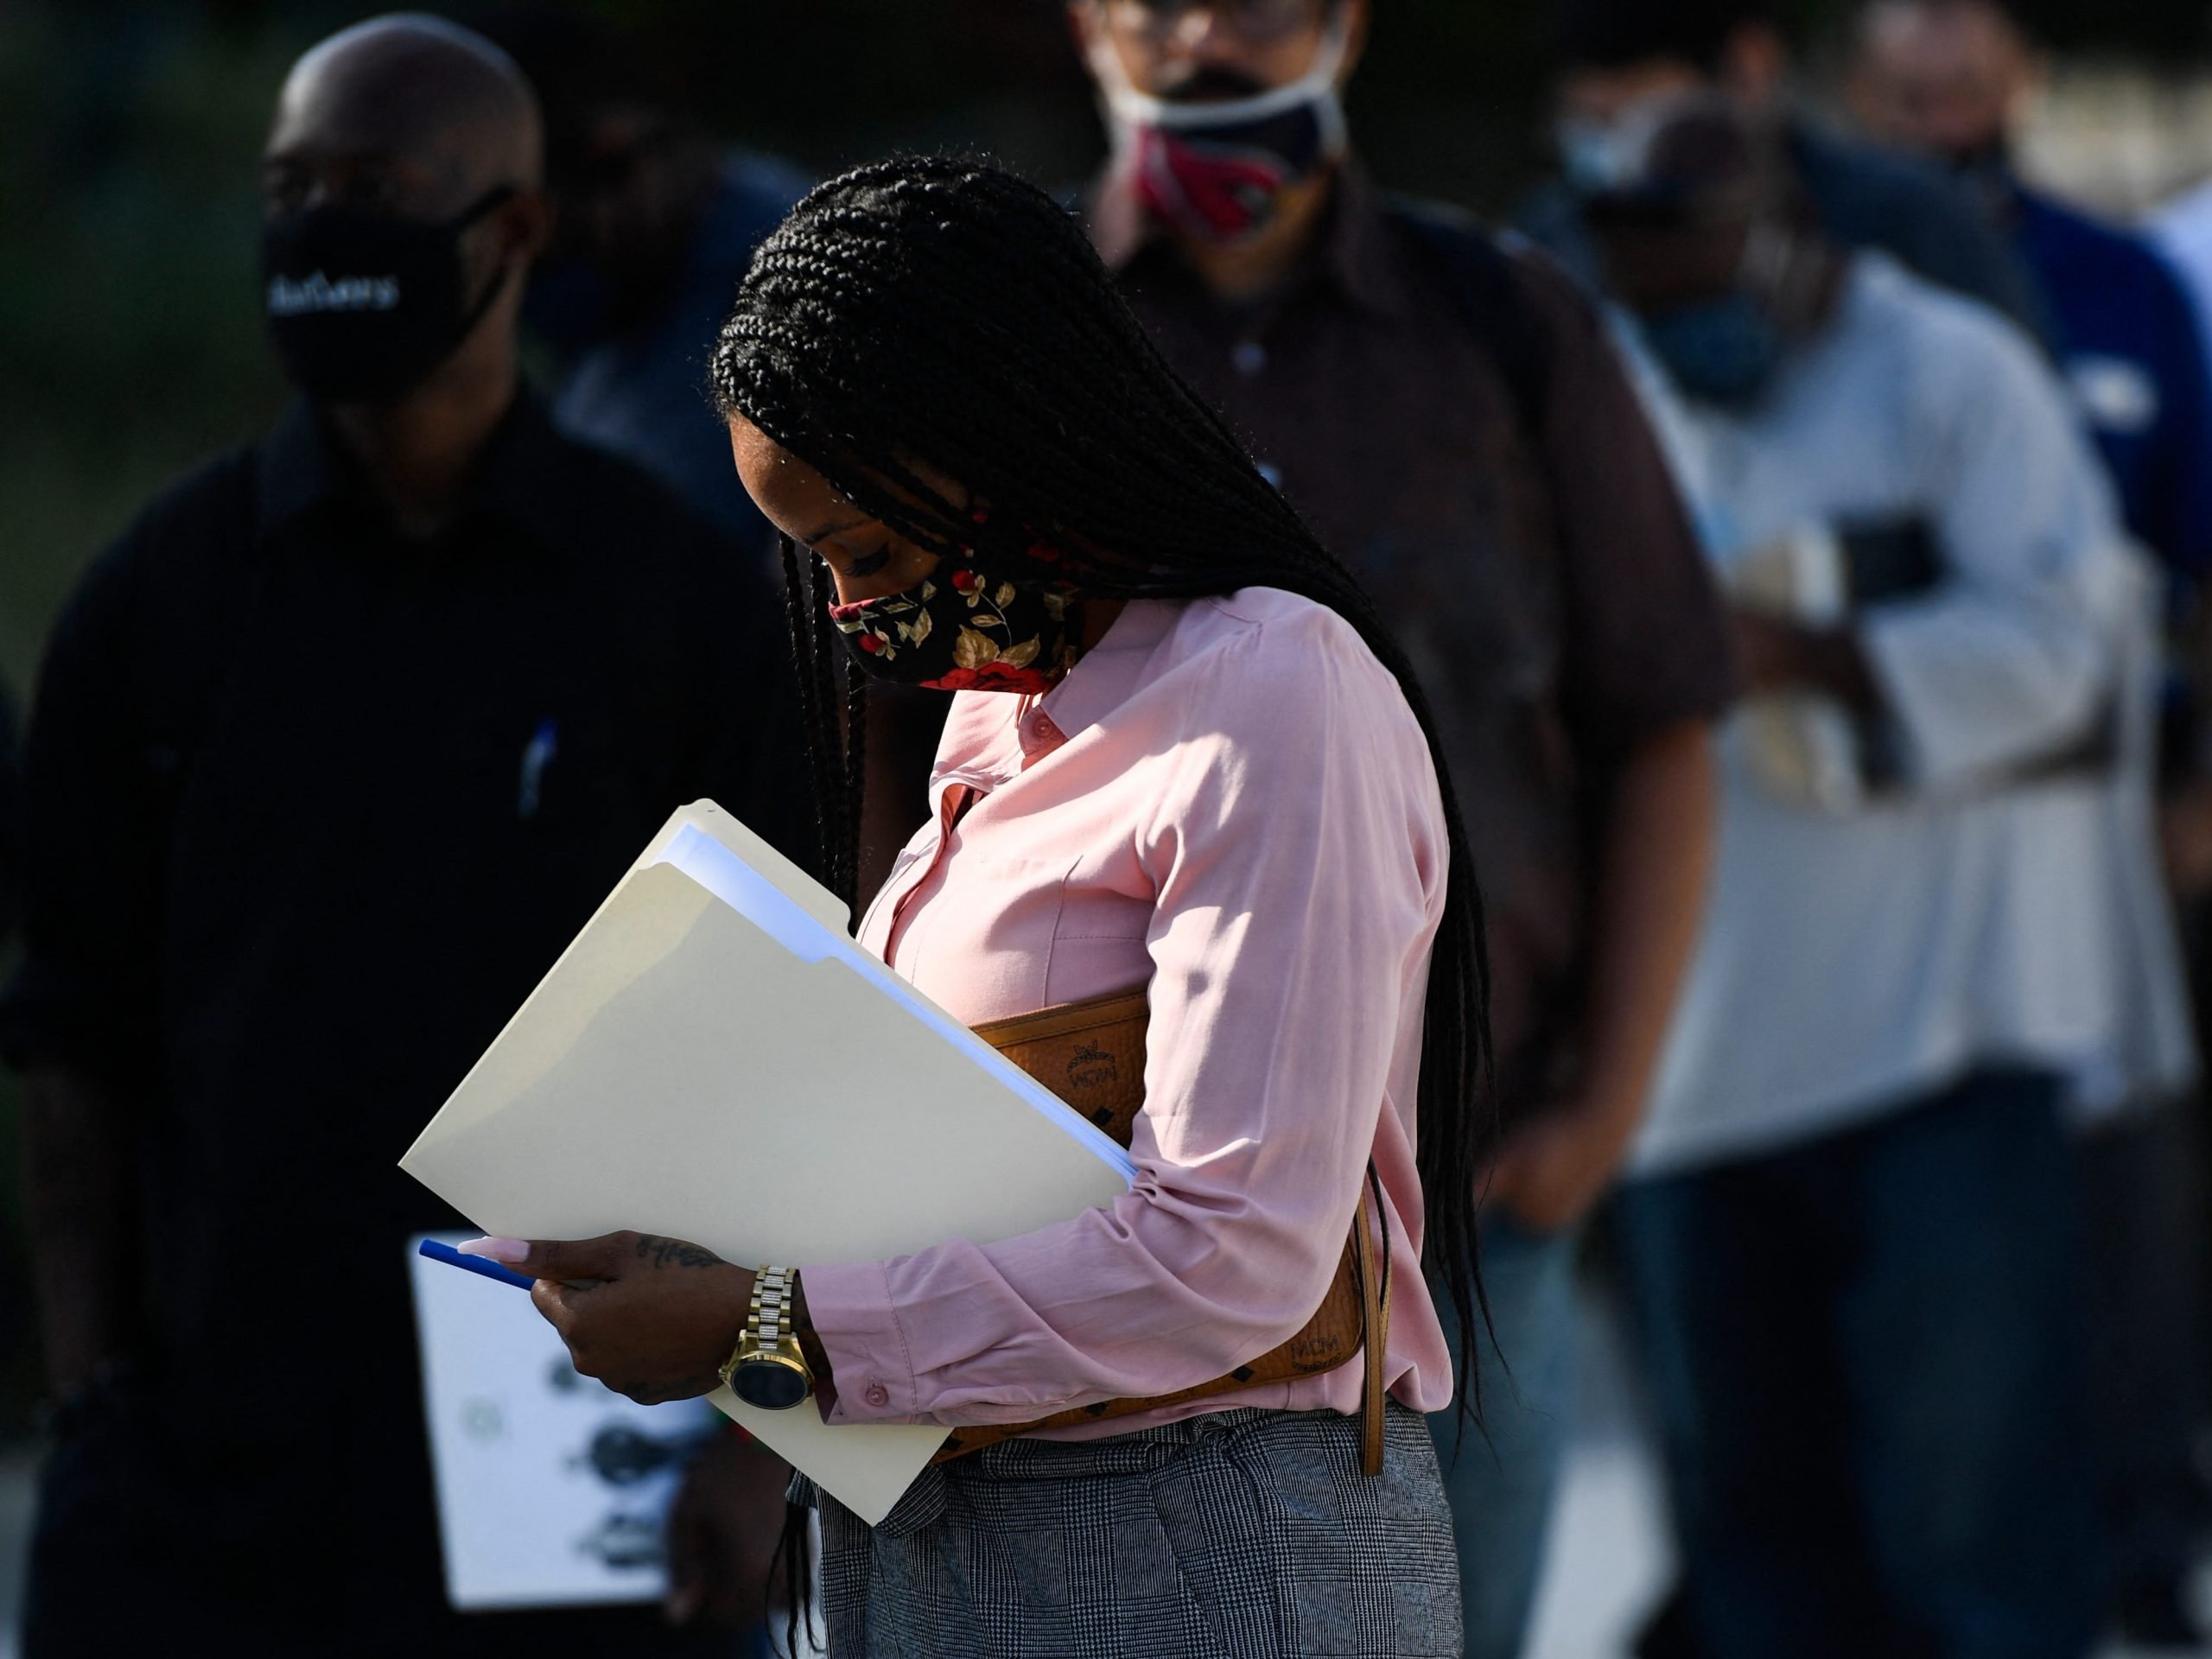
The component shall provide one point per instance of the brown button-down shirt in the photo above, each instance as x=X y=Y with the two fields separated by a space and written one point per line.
x=1545 y=582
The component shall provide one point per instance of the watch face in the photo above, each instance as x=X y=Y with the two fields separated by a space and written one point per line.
x=771 y=1384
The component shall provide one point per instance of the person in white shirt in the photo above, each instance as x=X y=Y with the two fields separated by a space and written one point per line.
x=1848 y=1238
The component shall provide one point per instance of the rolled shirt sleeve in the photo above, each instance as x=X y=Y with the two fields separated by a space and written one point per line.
x=2013 y=656
x=1298 y=856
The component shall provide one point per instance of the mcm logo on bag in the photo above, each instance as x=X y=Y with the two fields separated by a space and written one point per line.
x=1092 y=1067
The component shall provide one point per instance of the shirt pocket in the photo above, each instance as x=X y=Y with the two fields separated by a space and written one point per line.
x=1099 y=944
x=981 y=933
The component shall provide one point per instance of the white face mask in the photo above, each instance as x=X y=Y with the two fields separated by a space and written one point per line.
x=1127 y=107
x=1602 y=156
x=1214 y=171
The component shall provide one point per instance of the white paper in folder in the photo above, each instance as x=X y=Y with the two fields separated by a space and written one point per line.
x=688 y=1068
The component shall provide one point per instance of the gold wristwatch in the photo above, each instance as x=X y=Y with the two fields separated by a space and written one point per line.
x=768 y=1370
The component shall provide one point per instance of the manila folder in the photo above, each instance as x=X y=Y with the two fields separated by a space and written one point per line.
x=749 y=1079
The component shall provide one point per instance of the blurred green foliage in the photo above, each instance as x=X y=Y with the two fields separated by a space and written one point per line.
x=127 y=327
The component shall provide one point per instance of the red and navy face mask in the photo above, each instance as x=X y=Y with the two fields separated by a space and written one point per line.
x=1216 y=170
x=1223 y=184
x=969 y=629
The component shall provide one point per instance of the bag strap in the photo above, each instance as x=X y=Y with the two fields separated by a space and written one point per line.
x=1067 y=1018
x=1091 y=1055
x=1374 y=1332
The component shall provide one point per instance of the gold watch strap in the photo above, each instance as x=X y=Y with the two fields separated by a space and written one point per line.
x=767 y=1317
x=769 y=1321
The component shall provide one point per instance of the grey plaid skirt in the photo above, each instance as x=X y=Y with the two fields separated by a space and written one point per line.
x=1240 y=1534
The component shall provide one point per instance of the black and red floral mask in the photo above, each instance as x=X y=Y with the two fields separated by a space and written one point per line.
x=967 y=628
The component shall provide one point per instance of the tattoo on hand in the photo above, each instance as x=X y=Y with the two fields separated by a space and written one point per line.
x=674 y=1253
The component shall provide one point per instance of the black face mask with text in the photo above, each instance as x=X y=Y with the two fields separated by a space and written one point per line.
x=363 y=306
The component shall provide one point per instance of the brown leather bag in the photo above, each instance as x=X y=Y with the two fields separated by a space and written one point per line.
x=1091 y=1055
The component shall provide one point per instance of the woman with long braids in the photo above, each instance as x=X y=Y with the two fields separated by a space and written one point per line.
x=1186 y=760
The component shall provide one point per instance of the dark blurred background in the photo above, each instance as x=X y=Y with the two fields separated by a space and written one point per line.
x=129 y=341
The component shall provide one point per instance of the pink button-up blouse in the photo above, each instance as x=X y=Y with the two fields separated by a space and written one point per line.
x=1229 y=802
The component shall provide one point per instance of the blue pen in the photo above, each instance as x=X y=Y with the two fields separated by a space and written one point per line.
x=483 y=1264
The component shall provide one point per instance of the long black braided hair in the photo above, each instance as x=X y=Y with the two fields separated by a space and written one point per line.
x=935 y=310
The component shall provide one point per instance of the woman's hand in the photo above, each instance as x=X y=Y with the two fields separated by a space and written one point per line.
x=653 y=1317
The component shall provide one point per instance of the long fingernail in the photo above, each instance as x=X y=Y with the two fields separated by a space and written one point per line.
x=499 y=1249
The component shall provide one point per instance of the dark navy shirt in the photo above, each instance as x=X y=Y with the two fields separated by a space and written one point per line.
x=2129 y=344
x=1922 y=217
x=643 y=394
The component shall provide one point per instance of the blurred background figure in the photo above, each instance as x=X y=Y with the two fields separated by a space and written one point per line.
x=333 y=752
x=655 y=222
x=2182 y=230
x=18 y=1312
x=1948 y=79
x=1951 y=78
x=1623 y=66
x=1849 y=1242
x=11 y=821
x=1451 y=417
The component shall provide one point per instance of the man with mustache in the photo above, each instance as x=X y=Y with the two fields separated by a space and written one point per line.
x=1434 y=406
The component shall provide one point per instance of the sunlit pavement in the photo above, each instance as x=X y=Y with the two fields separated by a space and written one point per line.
x=1610 y=1559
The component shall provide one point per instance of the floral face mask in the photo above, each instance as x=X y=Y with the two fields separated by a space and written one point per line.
x=964 y=629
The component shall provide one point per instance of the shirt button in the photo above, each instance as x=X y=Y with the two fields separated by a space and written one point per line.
x=1249 y=357
x=877 y=1395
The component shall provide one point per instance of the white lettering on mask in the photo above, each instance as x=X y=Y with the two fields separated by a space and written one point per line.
x=287 y=298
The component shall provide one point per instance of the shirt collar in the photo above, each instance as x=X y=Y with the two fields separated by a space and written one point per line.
x=520 y=478
x=1106 y=677
x=1360 y=253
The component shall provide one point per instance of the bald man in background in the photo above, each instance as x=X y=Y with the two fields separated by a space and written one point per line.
x=333 y=752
